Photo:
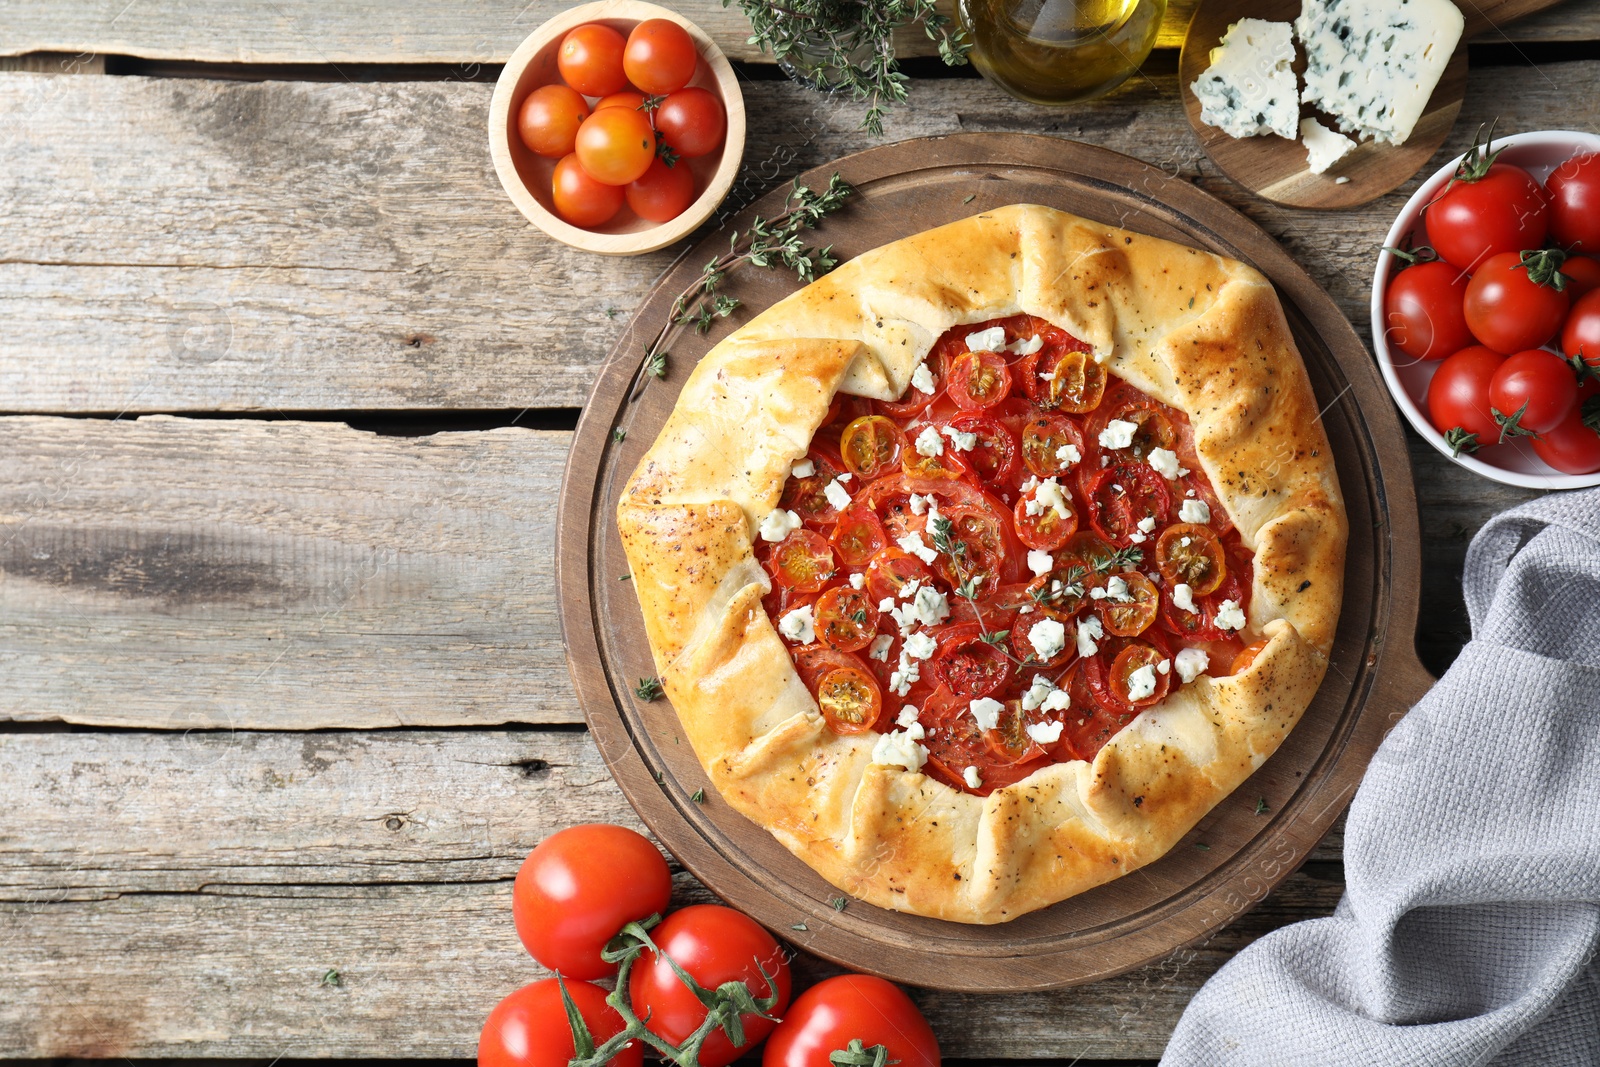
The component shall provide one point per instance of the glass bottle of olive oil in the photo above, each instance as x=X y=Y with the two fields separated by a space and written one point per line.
x=1060 y=51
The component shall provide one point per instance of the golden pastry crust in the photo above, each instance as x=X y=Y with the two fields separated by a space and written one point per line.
x=1201 y=333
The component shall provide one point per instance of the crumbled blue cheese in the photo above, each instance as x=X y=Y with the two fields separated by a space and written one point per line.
x=1192 y=510
x=920 y=646
x=1372 y=66
x=907 y=717
x=1049 y=494
x=899 y=748
x=1040 y=561
x=1165 y=462
x=919 y=504
x=1068 y=454
x=838 y=496
x=1045 y=733
x=1230 y=616
x=803 y=469
x=799 y=626
x=973 y=779
x=879 y=649
x=1147 y=524
x=779 y=524
x=912 y=543
x=1048 y=637
x=931 y=606
x=858 y=580
x=986 y=712
x=1191 y=663
x=1117 y=590
x=929 y=443
x=922 y=379
x=905 y=676
x=1324 y=147
x=1025 y=348
x=1183 y=597
x=1142 y=682
x=1089 y=631
x=1117 y=434
x=1035 y=694
x=1250 y=87
x=1164 y=667
x=961 y=440
x=990 y=340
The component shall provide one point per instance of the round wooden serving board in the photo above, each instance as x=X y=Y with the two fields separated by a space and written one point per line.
x=1182 y=898
x=1275 y=168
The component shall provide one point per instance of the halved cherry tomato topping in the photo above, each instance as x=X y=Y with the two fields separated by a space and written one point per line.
x=1152 y=428
x=1087 y=725
x=891 y=571
x=1124 y=495
x=1065 y=379
x=1190 y=554
x=994 y=457
x=1136 y=676
x=967 y=664
x=1009 y=740
x=858 y=536
x=955 y=742
x=802 y=561
x=1202 y=625
x=871 y=446
x=1049 y=444
x=1021 y=641
x=845 y=619
x=945 y=466
x=979 y=380
x=1041 y=525
x=1246 y=657
x=849 y=699
x=806 y=497
x=977 y=547
x=1130 y=605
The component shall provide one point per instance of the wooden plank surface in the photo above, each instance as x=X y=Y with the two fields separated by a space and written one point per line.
x=365 y=31
x=183 y=574
x=311 y=246
x=231 y=871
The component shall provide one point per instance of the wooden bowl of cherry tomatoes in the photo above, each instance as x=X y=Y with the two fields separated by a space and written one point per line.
x=1486 y=310
x=617 y=127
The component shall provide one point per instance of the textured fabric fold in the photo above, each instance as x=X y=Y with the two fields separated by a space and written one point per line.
x=1471 y=917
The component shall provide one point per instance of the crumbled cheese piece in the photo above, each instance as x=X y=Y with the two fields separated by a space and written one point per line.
x=779 y=524
x=1229 y=616
x=1048 y=637
x=1117 y=590
x=1137 y=538
x=1068 y=454
x=1045 y=733
x=922 y=379
x=1343 y=179
x=858 y=580
x=961 y=440
x=1142 y=682
x=1147 y=524
x=901 y=680
x=912 y=543
x=931 y=606
x=1089 y=631
x=1117 y=434
x=845 y=477
x=1165 y=462
x=1031 y=484
x=973 y=779
x=990 y=340
x=799 y=626
x=1250 y=87
x=880 y=648
x=886 y=604
x=1185 y=541
x=1191 y=663
x=899 y=749
x=929 y=443
x=1097 y=593
x=919 y=504
x=1183 y=597
x=910 y=589
x=1058 y=700
x=1026 y=348
x=803 y=469
x=920 y=646
x=1040 y=561
x=1192 y=510
x=1164 y=667
x=1041 y=688
x=1324 y=147
x=986 y=712
x=907 y=717
x=1049 y=493
x=838 y=496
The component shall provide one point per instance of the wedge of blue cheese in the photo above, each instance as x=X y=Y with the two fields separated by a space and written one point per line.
x=1371 y=67
x=1250 y=88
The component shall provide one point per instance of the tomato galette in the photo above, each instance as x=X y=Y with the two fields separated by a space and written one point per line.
x=983 y=567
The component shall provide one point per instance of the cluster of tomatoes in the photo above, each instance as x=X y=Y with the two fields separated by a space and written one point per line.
x=574 y=894
x=1056 y=493
x=645 y=119
x=1511 y=305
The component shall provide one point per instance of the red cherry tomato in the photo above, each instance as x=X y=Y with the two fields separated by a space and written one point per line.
x=1535 y=388
x=661 y=193
x=1583 y=275
x=892 y=570
x=590 y=60
x=851 y=1007
x=994 y=456
x=1422 y=307
x=1458 y=395
x=845 y=619
x=580 y=199
x=1507 y=310
x=529 y=1028
x=615 y=145
x=628 y=98
x=807 y=497
x=1040 y=525
x=858 y=536
x=803 y=561
x=579 y=887
x=1474 y=218
x=692 y=121
x=979 y=380
x=1581 y=335
x=1572 y=447
x=1575 y=203
x=850 y=700
x=660 y=56
x=549 y=118
x=714 y=945
x=967 y=664
x=1124 y=495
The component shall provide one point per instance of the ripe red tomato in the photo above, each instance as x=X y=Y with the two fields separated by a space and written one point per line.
x=851 y=1007
x=529 y=1028
x=1506 y=309
x=661 y=193
x=1575 y=203
x=549 y=119
x=1581 y=335
x=979 y=380
x=1458 y=395
x=616 y=145
x=714 y=945
x=628 y=98
x=1422 y=307
x=1583 y=275
x=590 y=60
x=1536 y=383
x=1572 y=447
x=579 y=887
x=580 y=199
x=1487 y=209
x=660 y=56
x=692 y=121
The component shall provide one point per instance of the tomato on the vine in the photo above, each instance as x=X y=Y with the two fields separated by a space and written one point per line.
x=549 y=118
x=851 y=1007
x=590 y=59
x=659 y=56
x=661 y=193
x=691 y=121
x=580 y=199
x=1532 y=391
x=615 y=145
x=1423 y=312
x=1580 y=337
x=713 y=944
x=632 y=99
x=1458 y=394
x=529 y=1027
x=1488 y=209
x=1508 y=308
x=1575 y=203
x=578 y=888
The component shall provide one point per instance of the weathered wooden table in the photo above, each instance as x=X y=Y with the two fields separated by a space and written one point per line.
x=288 y=387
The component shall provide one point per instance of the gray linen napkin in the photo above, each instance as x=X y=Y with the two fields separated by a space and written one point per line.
x=1471 y=915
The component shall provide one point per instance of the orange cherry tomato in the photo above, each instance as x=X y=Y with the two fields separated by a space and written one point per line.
x=1191 y=554
x=846 y=619
x=549 y=118
x=615 y=145
x=660 y=56
x=1040 y=525
x=891 y=571
x=858 y=536
x=628 y=98
x=1246 y=657
x=590 y=60
x=580 y=199
x=802 y=561
x=979 y=380
x=1009 y=740
x=662 y=193
x=871 y=446
x=1130 y=613
x=946 y=466
x=1126 y=676
x=1067 y=380
x=1049 y=441
x=849 y=699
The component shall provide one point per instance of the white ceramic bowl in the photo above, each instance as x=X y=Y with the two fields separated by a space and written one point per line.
x=1514 y=462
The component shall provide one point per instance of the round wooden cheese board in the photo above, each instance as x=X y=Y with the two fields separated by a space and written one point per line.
x=1234 y=857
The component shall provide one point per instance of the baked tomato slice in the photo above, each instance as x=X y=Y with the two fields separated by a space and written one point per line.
x=891 y=570
x=972 y=546
x=1126 y=499
x=955 y=742
x=994 y=455
x=1052 y=444
x=845 y=618
x=806 y=495
x=1129 y=605
x=969 y=665
x=1190 y=554
x=1045 y=525
x=979 y=380
x=871 y=446
x=1064 y=376
x=802 y=561
x=858 y=536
